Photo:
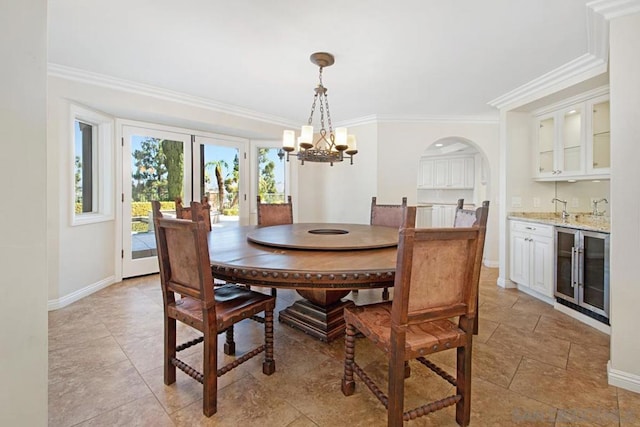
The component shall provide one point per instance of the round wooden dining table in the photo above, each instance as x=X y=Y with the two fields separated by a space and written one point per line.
x=322 y=262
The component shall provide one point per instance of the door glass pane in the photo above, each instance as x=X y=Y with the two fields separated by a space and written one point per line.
x=594 y=279
x=83 y=162
x=571 y=139
x=271 y=176
x=219 y=181
x=546 y=142
x=157 y=173
x=601 y=136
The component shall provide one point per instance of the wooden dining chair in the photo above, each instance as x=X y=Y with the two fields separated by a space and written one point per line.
x=468 y=217
x=183 y=256
x=183 y=212
x=472 y=218
x=388 y=216
x=274 y=214
x=435 y=281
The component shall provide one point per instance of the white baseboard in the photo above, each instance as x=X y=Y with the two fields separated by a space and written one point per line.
x=622 y=379
x=584 y=319
x=505 y=283
x=79 y=294
x=491 y=263
x=536 y=294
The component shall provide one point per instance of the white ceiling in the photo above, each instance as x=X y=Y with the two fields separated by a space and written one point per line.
x=407 y=58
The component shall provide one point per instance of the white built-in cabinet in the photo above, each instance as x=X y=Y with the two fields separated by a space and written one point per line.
x=572 y=141
x=447 y=173
x=532 y=256
x=443 y=215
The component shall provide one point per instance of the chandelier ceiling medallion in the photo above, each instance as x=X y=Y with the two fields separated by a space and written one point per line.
x=329 y=146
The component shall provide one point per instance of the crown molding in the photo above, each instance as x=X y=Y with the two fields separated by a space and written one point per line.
x=88 y=77
x=576 y=71
x=358 y=121
x=590 y=94
x=589 y=65
x=610 y=9
x=433 y=119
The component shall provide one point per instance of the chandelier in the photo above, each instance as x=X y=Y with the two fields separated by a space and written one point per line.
x=329 y=146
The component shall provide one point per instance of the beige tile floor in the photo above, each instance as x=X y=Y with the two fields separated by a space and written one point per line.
x=531 y=366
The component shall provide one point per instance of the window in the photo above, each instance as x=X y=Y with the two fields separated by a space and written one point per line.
x=92 y=148
x=271 y=175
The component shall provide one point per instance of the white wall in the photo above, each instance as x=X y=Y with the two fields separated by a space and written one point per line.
x=23 y=215
x=342 y=192
x=625 y=216
x=400 y=146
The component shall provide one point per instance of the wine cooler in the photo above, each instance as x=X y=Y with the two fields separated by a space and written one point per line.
x=582 y=271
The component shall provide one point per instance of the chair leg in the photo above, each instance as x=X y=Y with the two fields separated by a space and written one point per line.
x=385 y=294
x=348 y=385
x=269 y=365
x=210 y=373
x=169 y=350
x=397 y=373
x=463 y=388
x=230 y=344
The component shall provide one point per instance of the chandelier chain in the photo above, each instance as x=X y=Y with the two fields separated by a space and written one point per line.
x=326 y=101
x=323 y=98
x=313 y=108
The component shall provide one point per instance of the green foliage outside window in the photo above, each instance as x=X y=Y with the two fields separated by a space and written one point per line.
x=158 y=170
x=140 y=214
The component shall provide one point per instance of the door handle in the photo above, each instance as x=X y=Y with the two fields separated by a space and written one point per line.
x=573 y=267
x=580 y=261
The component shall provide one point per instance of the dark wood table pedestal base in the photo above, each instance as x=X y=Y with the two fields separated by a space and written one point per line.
x=320 y=315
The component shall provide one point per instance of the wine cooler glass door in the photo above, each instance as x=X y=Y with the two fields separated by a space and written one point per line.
x=566 y=261
x=594 y=290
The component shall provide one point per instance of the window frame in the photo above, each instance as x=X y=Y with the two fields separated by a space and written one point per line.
x=103 y=146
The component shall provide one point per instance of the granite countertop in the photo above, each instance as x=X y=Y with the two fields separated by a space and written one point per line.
x=582 y=221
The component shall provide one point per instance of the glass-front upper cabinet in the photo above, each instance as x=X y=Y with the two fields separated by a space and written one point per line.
x=599 y=137
x=546 y=145
x=572 y=140
x=560 y=139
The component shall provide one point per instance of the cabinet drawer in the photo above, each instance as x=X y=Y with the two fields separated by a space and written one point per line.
x=532 y=228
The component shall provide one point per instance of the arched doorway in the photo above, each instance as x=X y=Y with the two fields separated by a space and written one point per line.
x=449 y=169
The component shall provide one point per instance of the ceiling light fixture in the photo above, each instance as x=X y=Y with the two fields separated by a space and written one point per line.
x=329 y=147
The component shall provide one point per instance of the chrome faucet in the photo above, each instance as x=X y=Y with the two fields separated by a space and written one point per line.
x=565 y=214
x=596 y=212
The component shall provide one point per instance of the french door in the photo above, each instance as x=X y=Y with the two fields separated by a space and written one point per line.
x=156 y=166
x=160 y=163
x=219 y=174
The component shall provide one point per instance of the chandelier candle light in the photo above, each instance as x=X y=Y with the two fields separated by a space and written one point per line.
x=329 y=147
